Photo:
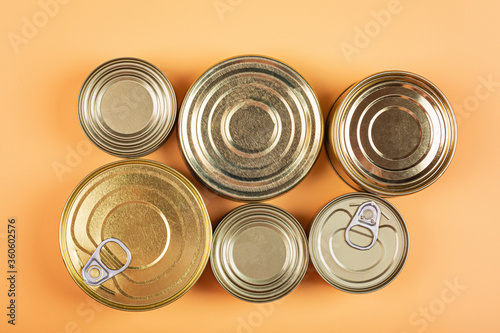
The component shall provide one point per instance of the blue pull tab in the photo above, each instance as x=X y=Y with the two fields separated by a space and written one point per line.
x=371 y=223
x=95 y=264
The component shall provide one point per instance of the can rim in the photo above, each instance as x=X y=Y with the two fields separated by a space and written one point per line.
x=73 y=272
x=300 y=261
x=169 y=93
x=359 y=182
x=313 y=229
x=182 y=144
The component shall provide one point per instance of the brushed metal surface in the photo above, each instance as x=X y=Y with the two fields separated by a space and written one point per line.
x=392 y=133
x=352 y=269
x=259 y=253
x=160 y=217
x=127 y=107
x=250 y=128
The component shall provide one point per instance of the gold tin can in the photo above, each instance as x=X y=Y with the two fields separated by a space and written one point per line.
x=135 y=235
x=393 y=133
x=358 y=242
x=127 y=107
x=259 y=252
x=250 y=128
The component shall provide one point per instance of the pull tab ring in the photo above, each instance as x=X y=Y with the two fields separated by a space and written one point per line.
x=96 y=264
x=359 y=219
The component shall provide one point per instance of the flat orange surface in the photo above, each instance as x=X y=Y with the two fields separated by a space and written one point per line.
x=450 y=281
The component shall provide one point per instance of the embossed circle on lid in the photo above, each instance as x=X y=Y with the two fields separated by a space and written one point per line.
x=392 y=133
x=250 y=128
x=156 y=213
x=362 y=258
x=259 y=253
x=127 y=107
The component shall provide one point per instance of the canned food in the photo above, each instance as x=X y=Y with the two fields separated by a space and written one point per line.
x=127 y=107
x=392 y=133
x=259 y=253
x=358 y=242
x=250 y=128
x=135 y=235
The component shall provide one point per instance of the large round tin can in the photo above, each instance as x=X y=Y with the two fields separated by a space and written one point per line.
x=250 y=128
x=358 y=242
x=392 y=133
x=259 y=252
x=127 y=107
x=135 y=235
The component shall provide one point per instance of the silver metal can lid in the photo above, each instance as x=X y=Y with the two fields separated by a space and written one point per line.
x=392 y=133
x=259 y=252
x=250 y=128
x=127 y=107
x=358 y=242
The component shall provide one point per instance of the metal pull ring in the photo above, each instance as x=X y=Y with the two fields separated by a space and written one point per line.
x=95 y=264
x=371 y=223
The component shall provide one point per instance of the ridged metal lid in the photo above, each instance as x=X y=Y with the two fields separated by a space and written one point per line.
x=355 y=250
x=127 y=107
x=156 y=214
x=250 y=128
x=392 y=133
x=259 y=253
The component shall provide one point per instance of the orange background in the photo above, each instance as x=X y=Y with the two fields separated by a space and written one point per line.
x=453 y=225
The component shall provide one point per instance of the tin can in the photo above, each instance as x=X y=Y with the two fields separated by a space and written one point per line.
x=259 y=253
x=135 y=235
x=393 y=133
x=358 y=242
x=127 y=107
x=250 y=128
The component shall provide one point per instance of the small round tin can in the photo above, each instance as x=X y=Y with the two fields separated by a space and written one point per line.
x=358 y=242
x=127 y=107
x=393 y=133
x=135 y=235
x=259 y=252
x=250 y=128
